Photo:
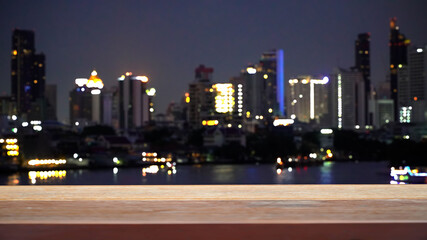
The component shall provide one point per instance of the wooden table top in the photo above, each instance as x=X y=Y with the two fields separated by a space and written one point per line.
x=214 y=204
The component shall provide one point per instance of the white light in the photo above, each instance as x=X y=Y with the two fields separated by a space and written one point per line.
x=239 y=126
x=283 y=122
x=300 y=96
x=95 y=92
x=80 y=159
x=75 y=155
x=326 y=131
x=419 y=50
x=25 y=124
x=81 y=81
x=357 y=127
x=14 y=117
x=151 y=109
x=406 y=137
x=76 y=123
x=289 y=169
x=37 y=128
x=115 y=160
x=151 y=92
x=293 y=116
x=115 y=170
x=251 y=70
x=35 y=122
x=143 y=79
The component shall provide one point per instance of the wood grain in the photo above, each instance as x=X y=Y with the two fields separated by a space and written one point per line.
x=246 y=207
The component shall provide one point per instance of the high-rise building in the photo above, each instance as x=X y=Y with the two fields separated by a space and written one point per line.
x=51 y=101
x=134 y=103
x=86 y=101
x=398 y=59
x=362 y=54
x=308 y=99
x=412 y=83
x=27 y=76
x=347 y=99
x=201 y=101
x=272 y=68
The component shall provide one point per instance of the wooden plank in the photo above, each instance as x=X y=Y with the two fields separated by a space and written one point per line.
x=211 y=208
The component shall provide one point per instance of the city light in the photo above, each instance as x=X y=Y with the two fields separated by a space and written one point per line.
x=14 y=117
x=143 y=79
x=35 y=162
x=283 y=122
x=81 y=81
x=210 y=122
x=121 y=78
x=95 y=92
x=251 y=70
x=25 y=124
x=224 y=100
x=14 y=52
x=265 y=76
x=42 y=175
x=419 y=50
x=37 y=128
x=326 y=131
x=151 y=92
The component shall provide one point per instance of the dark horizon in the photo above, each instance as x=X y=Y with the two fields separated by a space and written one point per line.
x=168 y=40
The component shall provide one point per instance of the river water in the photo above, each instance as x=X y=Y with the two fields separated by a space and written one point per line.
x=328 y=173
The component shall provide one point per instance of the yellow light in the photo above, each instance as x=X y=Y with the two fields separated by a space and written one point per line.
x=187 y=99
x=15 y=52
x=11 y=141
x=35 y=81
x=391 y=66
x=248 y=114
x=128 y=73
x=143 y=79
x=270 y=110
x=265 y=76
x=33 y=162
x=12 y=147
x=204 y=122
x=12 y=153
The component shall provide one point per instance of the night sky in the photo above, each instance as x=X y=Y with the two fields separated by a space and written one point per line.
x=167 y=40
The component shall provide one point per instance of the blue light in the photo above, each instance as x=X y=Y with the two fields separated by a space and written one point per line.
x=27 y=88
x=280 y=81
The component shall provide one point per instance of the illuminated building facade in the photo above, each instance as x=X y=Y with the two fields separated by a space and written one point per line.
x=398 y=59
x=412 y=85
x=384 y=112
x=201 y=105
x=308 y=99
x=27 y=76
x=272 y=68
x=86 y=101
x=134 y=103
x=347 y=99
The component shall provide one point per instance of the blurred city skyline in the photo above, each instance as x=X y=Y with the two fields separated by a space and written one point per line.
x=167 y=40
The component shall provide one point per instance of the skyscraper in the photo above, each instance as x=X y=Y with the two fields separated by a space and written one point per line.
x=347 y=99
x=201 y=105
x=398 y=59
x=308 y=99
x=412 y=83
x=85 y=101
x=362 y=54
x=263 y=87
x=133 y=101
x=272 y=67
x=27 y=75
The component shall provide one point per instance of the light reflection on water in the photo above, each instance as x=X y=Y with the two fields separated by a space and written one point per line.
x=329 y=173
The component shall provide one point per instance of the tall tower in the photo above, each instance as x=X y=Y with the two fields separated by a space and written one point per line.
x=347 y=100
x=398 y=59
x=362 y=54
x=272 y=68
x=201 y=105
x=27 y=74
x=133 y=101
